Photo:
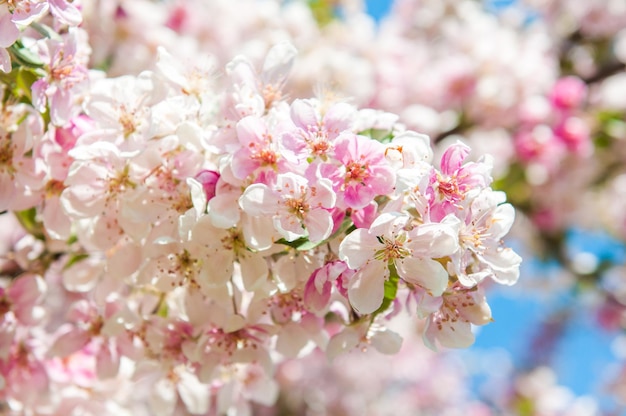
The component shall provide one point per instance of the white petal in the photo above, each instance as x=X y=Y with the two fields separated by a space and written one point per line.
x=56 y=221
x=505 y=264
x=319 y=224
x=366 y=289
x=223 y=211
x=358 y=247
x=450 y=334
x=426 y=273
x=194 y=394
x=342 y=342
x=291 y=340
x=387 y=342
x=258 y=199
x=278 y=62
x=437 y=239
x=82 y=276
x=253 y=271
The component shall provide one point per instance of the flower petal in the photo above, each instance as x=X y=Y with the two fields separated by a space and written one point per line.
x=366 y=289
x=426 y=273
x=358 y=247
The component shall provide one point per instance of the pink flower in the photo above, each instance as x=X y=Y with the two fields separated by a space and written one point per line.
x=315 y=134
x=260 y=151
x=449 y=188
x=66 y=65
x=299 y=208
x=365 y=172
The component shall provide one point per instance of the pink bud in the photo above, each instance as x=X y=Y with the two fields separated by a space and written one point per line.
x=316 y=300
x=574 y=133
x=568 y=93
x=177 y=18
x=453 y=158
x=67 y=136
x=208 y=179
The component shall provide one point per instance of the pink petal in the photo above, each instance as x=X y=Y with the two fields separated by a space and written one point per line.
x=317 y=294
x=55 y=219
x=69 y=342
x=251 y=130
x=65 y=12
x=107 y=361
x=27 y=290
x=453 y=157
x=8 y=32
x=304 y=115
x=338 y=118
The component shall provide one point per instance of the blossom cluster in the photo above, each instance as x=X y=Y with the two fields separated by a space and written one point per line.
x=185 y=229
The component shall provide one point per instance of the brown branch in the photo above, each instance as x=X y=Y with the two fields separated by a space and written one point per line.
x=605 y=72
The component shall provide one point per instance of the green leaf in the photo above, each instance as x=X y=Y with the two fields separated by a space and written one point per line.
x=24 y=56
x=45 y=30
x=28 y=220
x=383 y=136
x=323 y=11
x=25 y=79
x=163 y=309
x=303 y=243
x=75 y=258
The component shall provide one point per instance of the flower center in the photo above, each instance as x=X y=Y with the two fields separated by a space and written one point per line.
x=356 y=172
x=394 y=249
x=449 y=188
x=266 y=157
x=297 y=207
